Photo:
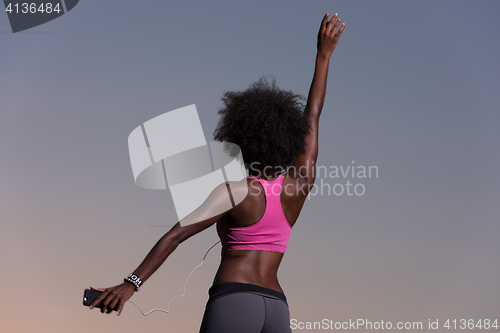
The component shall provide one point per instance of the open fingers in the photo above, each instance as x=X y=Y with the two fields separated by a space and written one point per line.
x=339 y=32
x=335 y=26
x=331 y=22
x=323 y=22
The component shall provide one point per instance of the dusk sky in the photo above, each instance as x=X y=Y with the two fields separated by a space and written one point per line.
x=413 y=92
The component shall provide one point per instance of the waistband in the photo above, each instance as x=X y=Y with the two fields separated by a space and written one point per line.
x=225 y=288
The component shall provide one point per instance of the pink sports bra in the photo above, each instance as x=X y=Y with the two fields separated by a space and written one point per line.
x=271 y=233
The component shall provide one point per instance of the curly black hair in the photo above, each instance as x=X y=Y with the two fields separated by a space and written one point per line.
x=267 y=123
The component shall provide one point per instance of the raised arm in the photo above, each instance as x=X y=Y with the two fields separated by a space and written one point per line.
x=328 y=36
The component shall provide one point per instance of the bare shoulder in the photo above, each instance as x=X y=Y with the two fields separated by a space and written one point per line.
x=245 y=191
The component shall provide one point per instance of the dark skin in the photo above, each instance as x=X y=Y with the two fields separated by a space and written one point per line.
x=255 y=267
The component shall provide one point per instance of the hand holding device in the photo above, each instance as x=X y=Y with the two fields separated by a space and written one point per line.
x=109 y=299
x=90 y=295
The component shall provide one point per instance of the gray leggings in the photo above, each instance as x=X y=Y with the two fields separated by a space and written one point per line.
x=245 y=308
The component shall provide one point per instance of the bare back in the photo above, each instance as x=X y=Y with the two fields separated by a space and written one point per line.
x=259 y=267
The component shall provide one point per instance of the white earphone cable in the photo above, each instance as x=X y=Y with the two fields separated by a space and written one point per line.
x=183 y=292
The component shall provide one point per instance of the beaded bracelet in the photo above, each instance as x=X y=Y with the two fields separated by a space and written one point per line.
x=135 y=280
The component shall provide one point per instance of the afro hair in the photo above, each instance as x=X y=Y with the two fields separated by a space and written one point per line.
x=267 y=123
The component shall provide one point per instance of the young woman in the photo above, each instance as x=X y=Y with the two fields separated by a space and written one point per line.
x=278 y=137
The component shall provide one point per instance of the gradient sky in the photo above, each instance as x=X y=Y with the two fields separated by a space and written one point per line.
x=413 y=89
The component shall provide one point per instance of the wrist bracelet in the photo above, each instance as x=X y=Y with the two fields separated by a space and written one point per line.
x=135 y=280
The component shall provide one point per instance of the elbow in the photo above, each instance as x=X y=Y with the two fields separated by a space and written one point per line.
x=175 y=236
x=180 y=235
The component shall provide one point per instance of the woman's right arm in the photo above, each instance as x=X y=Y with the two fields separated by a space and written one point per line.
x=118 y=295
x=328 y=37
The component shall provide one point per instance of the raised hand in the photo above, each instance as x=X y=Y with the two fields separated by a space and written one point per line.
x=329 y=34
